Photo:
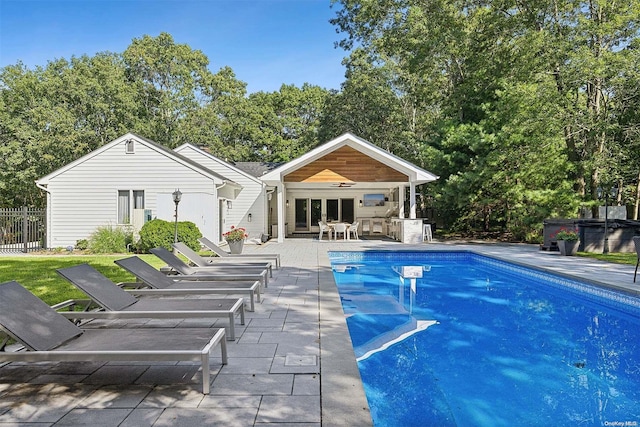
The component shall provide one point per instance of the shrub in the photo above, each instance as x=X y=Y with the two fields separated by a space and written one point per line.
x=82 y=244
x=108 y=239
x=160 y=233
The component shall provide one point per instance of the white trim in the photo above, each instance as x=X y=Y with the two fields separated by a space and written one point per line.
x=414 y=173
x=215 y=177
x=219 y=161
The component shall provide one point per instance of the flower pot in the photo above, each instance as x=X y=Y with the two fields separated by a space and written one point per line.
x=235 y=246
x=568 y=247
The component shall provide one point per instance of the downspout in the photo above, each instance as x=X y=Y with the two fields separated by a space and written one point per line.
x=48 y=213
x=268 y=222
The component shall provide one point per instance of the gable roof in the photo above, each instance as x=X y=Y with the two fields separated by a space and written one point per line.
x=233 y=166
x=416 y=174
x=216 y=177
x=257 y=169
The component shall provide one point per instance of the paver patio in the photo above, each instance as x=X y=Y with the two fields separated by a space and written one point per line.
x=292 y=363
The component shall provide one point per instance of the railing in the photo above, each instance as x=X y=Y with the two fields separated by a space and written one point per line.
x=22 y=229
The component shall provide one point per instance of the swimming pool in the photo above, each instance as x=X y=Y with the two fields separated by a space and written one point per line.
x=461 y=339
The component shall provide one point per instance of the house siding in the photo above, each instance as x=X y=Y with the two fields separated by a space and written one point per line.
x=85 y=196
x=250 y=200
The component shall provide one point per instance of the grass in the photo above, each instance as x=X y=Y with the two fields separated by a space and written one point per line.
x=618 y=257
x=38 y=273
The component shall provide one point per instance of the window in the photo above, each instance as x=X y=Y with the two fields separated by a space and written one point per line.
x=127 y=199
x=129 y=146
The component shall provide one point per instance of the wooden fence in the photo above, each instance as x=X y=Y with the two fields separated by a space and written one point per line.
x=22 y=229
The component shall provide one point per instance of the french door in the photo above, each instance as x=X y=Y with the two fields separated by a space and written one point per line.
x=309 y=211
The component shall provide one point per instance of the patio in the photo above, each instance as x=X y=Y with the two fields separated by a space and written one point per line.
x=291 y=363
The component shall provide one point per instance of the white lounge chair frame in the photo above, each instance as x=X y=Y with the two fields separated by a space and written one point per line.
x=154 y=282
x=187 y=272
x=224 y=254
x=47 y=336
x=200 y=261
x=114 y=303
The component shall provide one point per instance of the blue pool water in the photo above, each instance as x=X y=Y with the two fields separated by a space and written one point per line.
x=459 y=339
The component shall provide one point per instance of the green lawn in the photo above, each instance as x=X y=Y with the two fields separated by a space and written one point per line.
x=38 y=273
x=619 y=258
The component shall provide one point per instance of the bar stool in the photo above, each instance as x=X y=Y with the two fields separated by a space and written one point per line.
x=426 y=232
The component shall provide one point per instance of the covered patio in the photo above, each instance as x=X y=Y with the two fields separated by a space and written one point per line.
x=345 y=180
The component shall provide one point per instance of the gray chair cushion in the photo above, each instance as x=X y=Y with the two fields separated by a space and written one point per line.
x=98 y=287
x=32 y=322
x=145 y=272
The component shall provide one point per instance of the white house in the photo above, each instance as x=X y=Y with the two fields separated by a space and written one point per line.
x=132 y=179
x=127 y=182
x=249 y=208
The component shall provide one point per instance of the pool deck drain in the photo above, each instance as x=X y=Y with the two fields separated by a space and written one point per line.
x=297 y=360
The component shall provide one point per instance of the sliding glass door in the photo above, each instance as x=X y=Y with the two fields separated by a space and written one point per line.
x=309 y=211
x=340 y=210
x=302 y=222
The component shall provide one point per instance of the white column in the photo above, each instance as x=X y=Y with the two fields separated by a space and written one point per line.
x=401 y=201
x=281 y=213
x=412 y=200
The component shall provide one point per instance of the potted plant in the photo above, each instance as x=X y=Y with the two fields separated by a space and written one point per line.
x=567 y=241
x=235 y=238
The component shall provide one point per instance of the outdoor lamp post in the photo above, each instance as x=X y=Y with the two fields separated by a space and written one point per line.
x=177 y=195
x=603 y=194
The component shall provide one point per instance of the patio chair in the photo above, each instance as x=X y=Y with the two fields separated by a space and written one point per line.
x=114 y=303
x=200 y=261
x=353 y=229
x=324 y=227
x=636 y=242
x=274 y=258
x=154 y=282
x=47 y=336
x=186 y=272
x=340 y=228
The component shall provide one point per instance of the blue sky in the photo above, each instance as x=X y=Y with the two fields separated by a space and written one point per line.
x=267 y=43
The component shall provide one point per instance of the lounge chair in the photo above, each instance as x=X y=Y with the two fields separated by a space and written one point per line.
x=224 y=254
x=200 y=261
x=185 y=271
x=115 y=303
x=154 y=282
x=47 y=336
x=636 y=242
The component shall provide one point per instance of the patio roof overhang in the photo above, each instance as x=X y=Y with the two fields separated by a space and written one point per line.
x=346 y=162
x=364 y=174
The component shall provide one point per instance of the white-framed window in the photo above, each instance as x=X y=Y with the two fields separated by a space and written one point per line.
x=127 y=201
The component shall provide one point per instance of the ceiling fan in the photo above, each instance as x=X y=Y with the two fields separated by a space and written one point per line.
x=343 y=184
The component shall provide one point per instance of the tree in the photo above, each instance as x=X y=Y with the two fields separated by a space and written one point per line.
x=54 y=115
x=169 y=79
x=479 y=64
